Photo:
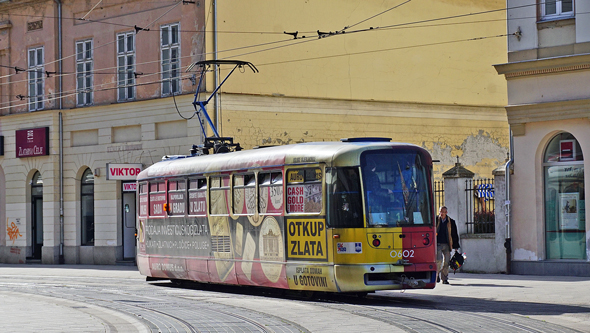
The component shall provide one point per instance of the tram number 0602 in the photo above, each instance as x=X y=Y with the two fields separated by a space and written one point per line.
x=402 y=254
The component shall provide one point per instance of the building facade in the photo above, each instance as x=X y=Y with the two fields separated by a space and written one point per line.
x=548 y=111
x=94 y=106
x=93 y=91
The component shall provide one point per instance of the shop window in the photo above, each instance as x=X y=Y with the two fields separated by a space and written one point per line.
x=565 y=214
x=87 y=207
x=556 y=9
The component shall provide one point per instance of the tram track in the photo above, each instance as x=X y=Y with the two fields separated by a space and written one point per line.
x=159 y=310
x=436 y=317
x=163 y=307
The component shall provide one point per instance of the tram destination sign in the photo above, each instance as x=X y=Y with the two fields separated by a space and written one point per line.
x=123 y=171
x=32 y=142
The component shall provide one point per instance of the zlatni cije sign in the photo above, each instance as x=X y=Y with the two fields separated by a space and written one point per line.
x=123 y=171
x=32 y=142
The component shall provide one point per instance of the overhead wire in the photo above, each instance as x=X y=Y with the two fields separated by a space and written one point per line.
x=372 y=17
x=396 y=26
x=90 y=11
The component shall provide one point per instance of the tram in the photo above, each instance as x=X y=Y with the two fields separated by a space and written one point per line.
x=352 y=216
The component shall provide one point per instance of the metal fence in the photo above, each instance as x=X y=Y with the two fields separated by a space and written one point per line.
x=480 y=213
x=439 y=195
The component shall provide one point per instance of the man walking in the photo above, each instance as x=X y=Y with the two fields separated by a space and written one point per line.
x=447 y=238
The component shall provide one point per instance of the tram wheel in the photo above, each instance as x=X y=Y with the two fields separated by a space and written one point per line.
x=307 y=294
x=177 y=283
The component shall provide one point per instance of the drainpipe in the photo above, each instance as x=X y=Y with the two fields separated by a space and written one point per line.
x=508 y=242
x=61 y=137
x=61 y=190
x=59 y=53
x=216 y=74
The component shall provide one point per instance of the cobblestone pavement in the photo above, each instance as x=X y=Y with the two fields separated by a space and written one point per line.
x=43 y=298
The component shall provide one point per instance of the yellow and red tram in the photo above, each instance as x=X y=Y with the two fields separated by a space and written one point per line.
x=349 y=216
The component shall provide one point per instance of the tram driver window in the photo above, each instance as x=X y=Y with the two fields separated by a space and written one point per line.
x=396 y=188
x=344 y=199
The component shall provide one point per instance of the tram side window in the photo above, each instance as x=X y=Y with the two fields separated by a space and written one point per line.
x=197 y=197
x=218 y=195
x=143 y=199
x=304 y=190
x=270 y=187
x=157 y=198
x=177 y=197
x=244 y=194
x=344 y=199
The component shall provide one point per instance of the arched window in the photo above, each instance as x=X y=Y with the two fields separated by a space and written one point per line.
x=87 y=207
x=565 y=214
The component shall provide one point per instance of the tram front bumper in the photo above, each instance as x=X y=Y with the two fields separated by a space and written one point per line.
x=356 y=278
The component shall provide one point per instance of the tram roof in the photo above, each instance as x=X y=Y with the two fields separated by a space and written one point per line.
x=331 y=153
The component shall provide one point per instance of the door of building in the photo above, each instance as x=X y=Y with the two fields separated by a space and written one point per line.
x=37 y=216
x=128 y=225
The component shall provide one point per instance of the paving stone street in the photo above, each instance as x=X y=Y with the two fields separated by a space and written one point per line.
x=47 y=298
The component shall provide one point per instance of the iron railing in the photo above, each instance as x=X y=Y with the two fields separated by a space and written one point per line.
x=480 y=205
x=439 y=195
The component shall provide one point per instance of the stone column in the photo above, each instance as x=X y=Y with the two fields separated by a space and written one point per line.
x=500 y=215
x=454 y=180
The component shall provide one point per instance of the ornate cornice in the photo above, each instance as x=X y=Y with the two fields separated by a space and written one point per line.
x=522 y=114
x=544 y=66
x=547 y=71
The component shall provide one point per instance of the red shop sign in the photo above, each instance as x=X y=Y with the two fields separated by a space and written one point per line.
x=32 y=142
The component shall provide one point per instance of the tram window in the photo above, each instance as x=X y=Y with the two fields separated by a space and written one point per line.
x=176 y=197
x=345 y=199
x=153 y=187
x=304 y=190
x=197 y=194
x=143 y=188
x=270 y=198
x=244 y=194
x=157 y=198
x=200 y=184
x=396 y=188
x=218 y=195
x=143 y=199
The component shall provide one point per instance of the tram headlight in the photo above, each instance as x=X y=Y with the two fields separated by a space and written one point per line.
x=376 y=242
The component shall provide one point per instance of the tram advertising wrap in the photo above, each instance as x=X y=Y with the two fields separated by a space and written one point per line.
x=352 y=216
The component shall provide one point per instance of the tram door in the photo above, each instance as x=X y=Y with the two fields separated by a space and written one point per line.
x=129 y=225
x=37 y=215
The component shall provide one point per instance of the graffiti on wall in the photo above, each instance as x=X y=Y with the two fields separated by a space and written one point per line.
x=12 y=232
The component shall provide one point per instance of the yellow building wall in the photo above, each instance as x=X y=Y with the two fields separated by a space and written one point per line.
x=429 y=62
x=477 y=135
x=416 y=77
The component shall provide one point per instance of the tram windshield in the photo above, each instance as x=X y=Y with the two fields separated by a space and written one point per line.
x=396 y=190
